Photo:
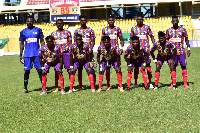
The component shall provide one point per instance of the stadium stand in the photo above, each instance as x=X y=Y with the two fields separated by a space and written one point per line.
x=12 y=32
x=156 y=24
x=39 y=6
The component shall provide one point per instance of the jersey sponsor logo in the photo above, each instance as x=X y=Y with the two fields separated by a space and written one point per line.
x=63 y=41
x=113 y=36
x=29 y=40
x=175 y=39
x=34 y=32
x=86 y=39
x=50 y=59
x=142 y=36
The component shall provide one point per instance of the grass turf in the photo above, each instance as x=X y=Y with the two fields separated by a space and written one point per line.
x=162 y=110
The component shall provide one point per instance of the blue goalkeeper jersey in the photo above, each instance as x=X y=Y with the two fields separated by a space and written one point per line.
x=31 y=38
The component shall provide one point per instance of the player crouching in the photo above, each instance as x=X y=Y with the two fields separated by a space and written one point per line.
x=136 y=57
x=50 y=56
x=110 y=55
x=79 y=57
x=166 y=52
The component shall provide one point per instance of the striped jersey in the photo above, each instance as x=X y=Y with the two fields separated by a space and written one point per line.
x=76 y=51
x=111 y=54
x=113 y=34
x=164 y=51
x=62 y=39
x=87 y=34
x=177 y=37
x=50 y=57
x=138 y=54
x=143 y=33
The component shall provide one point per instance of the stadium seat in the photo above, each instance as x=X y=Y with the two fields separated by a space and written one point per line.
x=156 y=24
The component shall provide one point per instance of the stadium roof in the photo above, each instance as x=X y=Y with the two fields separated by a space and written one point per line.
x=87 y=4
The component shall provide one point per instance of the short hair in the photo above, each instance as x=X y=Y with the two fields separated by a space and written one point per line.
x=105 y=38
x=50 y=37
x=140 y=14
x=59 y=20
x=174 y=16
x=78 y=35
x=135 y=38
x=82 y=16
x=111 y=16
x=161 y=34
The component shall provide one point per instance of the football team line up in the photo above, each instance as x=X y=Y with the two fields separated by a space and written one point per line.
x=59 y=51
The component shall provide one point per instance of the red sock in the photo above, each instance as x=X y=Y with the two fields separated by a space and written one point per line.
x=149 y=73
x=94 y=75
x=184 y=73
x=144 y=76
x=173 y=75
x=72 y=79
x=157 y=76
x=100 y=80
x=61 y=78
x=44 y=81
x=108 y=78
x=80 y=79
x=56 y=79
x=119 y=78
x=91 y=79
x=129 y=77
x=69 y=73
x=136 y=72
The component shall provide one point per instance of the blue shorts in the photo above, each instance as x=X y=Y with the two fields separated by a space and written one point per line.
x=29 y=61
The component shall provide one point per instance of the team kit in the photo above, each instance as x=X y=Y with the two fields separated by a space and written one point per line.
x=59 y=52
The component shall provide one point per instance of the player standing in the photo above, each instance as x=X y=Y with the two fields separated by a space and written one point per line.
x=31 y=36
x=114 y=33
x=88 y=36
x=63 y=38
x=51 y=56
x=143 y=31
x=136 y=56
x=166 y=52
x=110 y=56
x=177 y=34
x=79 y=58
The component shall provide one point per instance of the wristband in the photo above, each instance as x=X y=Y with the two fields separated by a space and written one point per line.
x=155 y=60
x=129 y=65
x=71 y=67
x=188 y=48
x=122 y=48
x=144 y=64
x=43 y=68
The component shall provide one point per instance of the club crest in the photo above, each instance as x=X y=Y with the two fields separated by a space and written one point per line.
x=74 y=9
x=54 y=10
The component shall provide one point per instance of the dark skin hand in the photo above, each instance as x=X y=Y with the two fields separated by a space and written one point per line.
x=50 y=45
x=29 y=23
x=140 y=23
x=175 y=22
x=111 y=22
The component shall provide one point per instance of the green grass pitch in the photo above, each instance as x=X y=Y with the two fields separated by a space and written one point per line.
x=162 y=110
